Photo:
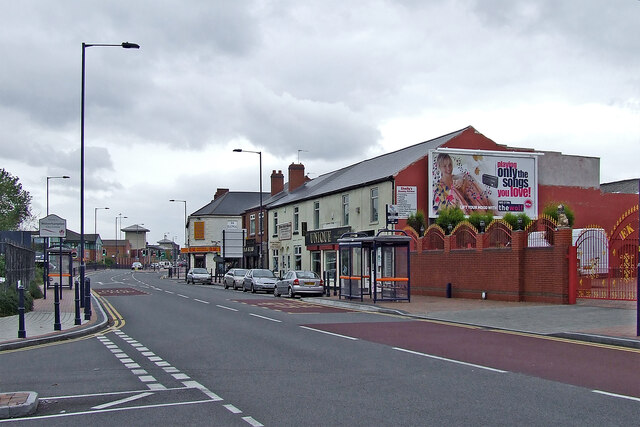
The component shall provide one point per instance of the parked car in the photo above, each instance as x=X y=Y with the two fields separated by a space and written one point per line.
x=297 y=282
x=234 y=278
x=259 y=279
x=198 y=275
x=136 y=266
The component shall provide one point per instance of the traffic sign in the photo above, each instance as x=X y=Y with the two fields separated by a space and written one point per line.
x=53 y=226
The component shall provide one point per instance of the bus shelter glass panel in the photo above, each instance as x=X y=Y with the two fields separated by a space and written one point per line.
x=351 y=271
x=392 y=280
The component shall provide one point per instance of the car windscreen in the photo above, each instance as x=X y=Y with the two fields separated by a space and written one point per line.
x=263 y=273
x=240 y=272
x=200 y=271
x=306 y=275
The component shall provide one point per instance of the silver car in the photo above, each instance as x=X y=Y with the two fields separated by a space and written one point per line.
x=199 y=275
x=259 y=279
x=298 y=282
x=234 y=278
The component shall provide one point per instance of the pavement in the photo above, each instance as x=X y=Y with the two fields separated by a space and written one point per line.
x=604 y=322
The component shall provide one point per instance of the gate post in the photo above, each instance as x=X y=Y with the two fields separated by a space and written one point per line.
x=572 y=257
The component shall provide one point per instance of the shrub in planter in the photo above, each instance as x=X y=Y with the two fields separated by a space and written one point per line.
x=512 y=220
x=448 y=216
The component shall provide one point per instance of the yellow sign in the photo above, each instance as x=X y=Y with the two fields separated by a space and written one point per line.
x=196 y=249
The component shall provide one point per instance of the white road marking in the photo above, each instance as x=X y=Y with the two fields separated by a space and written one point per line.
x=329 y=333
x=147 y=378
x=125 y=400
x=199 y=300
x=226 y=308
x=169 y=292
x=444 y=359
x=182 y=296
x=71 y=414
x=621 y=396
x=252 y=422
x=197 y=385
x=265 y=318
x=232 y=409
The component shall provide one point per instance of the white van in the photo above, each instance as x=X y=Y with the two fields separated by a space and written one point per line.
x=164 y=264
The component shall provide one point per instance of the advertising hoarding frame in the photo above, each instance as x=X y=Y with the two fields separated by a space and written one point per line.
x=486 y=181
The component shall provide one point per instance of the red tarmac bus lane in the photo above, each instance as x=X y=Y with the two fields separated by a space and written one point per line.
x=597 y=367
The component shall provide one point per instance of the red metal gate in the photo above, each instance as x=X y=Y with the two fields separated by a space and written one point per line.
x=607 y=265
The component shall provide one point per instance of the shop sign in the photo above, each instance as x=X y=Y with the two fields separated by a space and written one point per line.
x=406 y=200
x=497 y=182
x=284 y=231
x=325 y=236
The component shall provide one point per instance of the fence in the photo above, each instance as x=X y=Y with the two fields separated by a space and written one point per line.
x=20 y=264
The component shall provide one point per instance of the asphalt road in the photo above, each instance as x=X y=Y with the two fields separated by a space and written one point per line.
x=201 y=355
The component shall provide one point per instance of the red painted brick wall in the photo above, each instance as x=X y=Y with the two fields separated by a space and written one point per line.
x=506 y=274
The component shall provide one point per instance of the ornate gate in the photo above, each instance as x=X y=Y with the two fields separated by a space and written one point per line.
x=607 y=266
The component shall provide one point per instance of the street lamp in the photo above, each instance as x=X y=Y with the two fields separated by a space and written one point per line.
x=53 y=177
x=125 y=45
x=95 y=231
x=259 y=153
x=118 y=216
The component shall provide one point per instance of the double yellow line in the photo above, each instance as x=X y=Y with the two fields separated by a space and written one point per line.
x=118 y=320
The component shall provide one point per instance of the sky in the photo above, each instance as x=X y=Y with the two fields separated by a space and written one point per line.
x=327 y=83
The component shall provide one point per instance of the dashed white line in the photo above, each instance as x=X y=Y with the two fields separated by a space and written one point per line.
x=444 y=359
x=182 y=296
x=232 y=409
x=226 y=308
x=170 y=292
x=265 y=318
x=252 y=422
x=199 y=300
x=329 y=333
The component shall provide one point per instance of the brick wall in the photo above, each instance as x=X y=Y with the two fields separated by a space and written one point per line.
x=513 y=273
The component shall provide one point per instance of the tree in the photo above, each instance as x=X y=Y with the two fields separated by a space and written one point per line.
x=417 y=222
x=14 y=202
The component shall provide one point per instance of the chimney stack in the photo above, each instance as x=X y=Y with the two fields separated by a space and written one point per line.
x=296 y=176
x=220 y=192
x=277 y=182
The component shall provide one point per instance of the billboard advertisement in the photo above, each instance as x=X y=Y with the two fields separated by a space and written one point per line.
x=496 y=182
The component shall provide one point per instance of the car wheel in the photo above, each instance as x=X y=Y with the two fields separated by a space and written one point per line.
x=226 y=286
x=291 y=293
x=253 y=290
x=275 y=292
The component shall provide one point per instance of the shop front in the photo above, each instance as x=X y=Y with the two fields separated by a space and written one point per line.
x=323 y=247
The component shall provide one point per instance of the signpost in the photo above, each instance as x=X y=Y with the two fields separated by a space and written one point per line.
x=51 y=226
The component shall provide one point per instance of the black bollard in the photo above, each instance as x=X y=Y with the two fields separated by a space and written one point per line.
x=81 y=286
x=22 y=333
x=57 y=326
x=87 y=296
x=448 y=290
x=78 y=320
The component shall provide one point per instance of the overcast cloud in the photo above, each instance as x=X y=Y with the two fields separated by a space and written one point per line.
x=341 y=81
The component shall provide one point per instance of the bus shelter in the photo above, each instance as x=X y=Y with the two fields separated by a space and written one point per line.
x=60 y=266
x=376 y=266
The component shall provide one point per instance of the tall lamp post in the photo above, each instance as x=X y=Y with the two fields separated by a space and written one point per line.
x=95 y=231
x=125 y=45
x=261 y=219
x=185 y=221
x=118 y=216
x=46 y=241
